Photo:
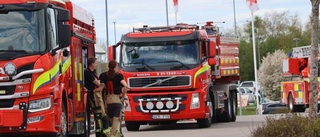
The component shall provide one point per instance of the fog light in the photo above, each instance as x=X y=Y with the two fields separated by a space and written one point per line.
x=169 y=104
x=159 y=105
x=34 y=119
x=149 y=105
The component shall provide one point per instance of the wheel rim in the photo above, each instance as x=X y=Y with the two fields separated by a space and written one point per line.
x=63 y=124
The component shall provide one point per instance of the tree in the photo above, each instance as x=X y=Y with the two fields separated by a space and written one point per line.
x=270 y=74
x=313 y=90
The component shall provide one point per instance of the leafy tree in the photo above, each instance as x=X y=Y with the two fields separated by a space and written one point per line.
x=270 y=74
x=313 y=86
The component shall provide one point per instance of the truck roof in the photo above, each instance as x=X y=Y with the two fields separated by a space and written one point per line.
x=159 y=36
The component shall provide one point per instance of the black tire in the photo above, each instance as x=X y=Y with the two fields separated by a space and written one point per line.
x=234 y=105
x=294 y=108
x=132 y=126
x=214 y=118
x=64 y=122
x=226 y=115
x=206 y=122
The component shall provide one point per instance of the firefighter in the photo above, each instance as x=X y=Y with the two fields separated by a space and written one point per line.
x=114 y=82
x=94 y=89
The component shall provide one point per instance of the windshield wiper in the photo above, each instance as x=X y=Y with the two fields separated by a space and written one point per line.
x=19 y=51
x=143 y=63
x=169 y=61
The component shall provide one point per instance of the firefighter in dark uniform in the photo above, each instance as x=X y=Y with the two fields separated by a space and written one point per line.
x=115 y=86
x=94 y=89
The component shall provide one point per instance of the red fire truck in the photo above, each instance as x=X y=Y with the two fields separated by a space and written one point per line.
x=178 y=72
x=43 y=48
x=295 y=92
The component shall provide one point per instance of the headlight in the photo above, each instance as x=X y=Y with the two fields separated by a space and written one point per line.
x=39 y=105
x=195 y=101
x=10 y=69
x=195 y=98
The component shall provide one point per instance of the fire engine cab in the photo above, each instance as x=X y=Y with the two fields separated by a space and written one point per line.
x=178 y=72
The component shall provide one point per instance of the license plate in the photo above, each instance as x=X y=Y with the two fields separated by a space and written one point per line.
x=160 y=116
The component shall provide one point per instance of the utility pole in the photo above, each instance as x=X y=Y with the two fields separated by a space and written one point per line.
x=115 y=32
x=107 y=31
x=235 y=34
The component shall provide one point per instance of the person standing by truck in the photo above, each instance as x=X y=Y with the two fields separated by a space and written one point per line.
x=94 y=88
x=114 y=82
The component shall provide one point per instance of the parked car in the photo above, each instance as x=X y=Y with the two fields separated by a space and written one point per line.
x=247 y=91
x=272 y=107
x=250 y=85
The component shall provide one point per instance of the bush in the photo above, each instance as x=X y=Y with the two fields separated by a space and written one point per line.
x=281 y=110
x=289 y=125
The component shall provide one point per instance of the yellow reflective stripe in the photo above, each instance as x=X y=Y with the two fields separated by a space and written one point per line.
x=78 y=84
x=201 y=70
x=299 y=94
x=78 y=92
x=46 y=76
x=284 y=95
x=296 y=87
x=281 y=88
x=80 y=68
x=66 y=64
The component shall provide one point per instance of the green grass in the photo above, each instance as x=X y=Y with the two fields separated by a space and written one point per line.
x=248 y=110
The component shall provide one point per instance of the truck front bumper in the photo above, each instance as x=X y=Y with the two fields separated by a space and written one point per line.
x=13 y=122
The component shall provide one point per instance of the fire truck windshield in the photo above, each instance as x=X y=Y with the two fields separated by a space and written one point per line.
x=22 y=32
x=184 y=54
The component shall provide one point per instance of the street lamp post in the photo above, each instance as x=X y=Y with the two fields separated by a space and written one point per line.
x=115 y=32
x=296 y=39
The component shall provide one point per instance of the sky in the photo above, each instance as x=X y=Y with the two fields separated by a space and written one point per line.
x=123 y=15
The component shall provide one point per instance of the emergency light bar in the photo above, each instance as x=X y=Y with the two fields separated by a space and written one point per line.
x=302 y=52
x=165 y=28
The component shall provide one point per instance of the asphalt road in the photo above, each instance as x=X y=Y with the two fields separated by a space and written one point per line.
x=240 y=128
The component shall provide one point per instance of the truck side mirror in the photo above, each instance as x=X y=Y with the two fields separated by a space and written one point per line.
x=111 y=53
x=212 y=53
x=212 y=49
x=64 y=30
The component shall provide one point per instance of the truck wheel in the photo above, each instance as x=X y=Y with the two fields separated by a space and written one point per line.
x=226 y=115
x=206 y=122
x=64 y=123
x=234 y=104
x=292 y=107
x=132 y=126
x=214 y=111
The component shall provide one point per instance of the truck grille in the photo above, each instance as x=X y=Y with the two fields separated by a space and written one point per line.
x=6 y=103
x=160 y=81
x=9 y=90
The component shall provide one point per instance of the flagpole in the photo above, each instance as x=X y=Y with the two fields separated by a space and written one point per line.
x=255 y=64
x=176 y=16
x=167 y=12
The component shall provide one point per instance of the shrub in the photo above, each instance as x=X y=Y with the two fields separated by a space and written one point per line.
x=289 y=125
x=281 y=110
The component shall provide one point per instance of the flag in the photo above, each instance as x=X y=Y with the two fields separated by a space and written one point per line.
x=175 y=4
x=253 y=5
